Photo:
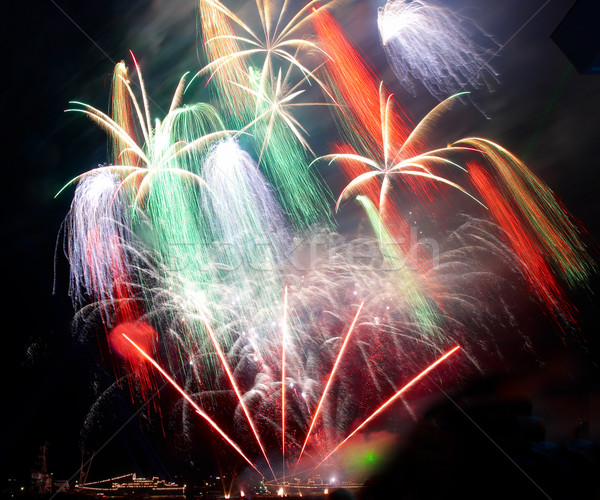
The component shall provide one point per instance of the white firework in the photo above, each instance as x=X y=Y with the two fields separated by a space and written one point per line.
x=436 y=46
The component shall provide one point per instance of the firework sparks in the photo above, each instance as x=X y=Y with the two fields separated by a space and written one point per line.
x=162 y=152
x=238 y=393
x=435 y=46
x=395 y=162
x=392 y=399
x=186 y=243
x=329 y=379
x=192 y=403
x=222 y=43
x=284 y=341
x=261 y=99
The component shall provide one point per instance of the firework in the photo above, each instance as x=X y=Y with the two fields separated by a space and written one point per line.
x=191 y=401
x=207 y=246
x=329 y=380
x=526 y=209
x=260 y=95
x=393 y=398
x=434 y=46
x=277 y=44
x=395 y=161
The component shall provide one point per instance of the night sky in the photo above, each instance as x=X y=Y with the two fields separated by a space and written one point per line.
x=542 y=110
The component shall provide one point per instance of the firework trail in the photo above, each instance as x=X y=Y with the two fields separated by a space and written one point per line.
x=536 y=226
x=434 y=46
x=392 y=399
x=191 y=401
x=329 y=380
x=356 y=89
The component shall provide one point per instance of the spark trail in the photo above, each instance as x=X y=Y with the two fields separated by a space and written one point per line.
x=284 y=340
x=329 y=379
x=237 y=391
x=390 y=401
x=199 y=410
x=435 y=46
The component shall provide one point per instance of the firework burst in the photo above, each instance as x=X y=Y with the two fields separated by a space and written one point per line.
x=218 y=270
x=435 y=46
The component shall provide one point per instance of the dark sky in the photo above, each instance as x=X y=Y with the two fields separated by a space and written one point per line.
x=542 y=110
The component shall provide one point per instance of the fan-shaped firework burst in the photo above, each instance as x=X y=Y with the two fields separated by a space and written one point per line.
x=260 y=77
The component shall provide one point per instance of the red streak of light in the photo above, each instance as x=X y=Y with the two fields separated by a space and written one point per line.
x=284 y=339
x=193 y=403
x=391 y=400
x=237 y=391
x=333 y=370
x=137 y=66
x=537 y=271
